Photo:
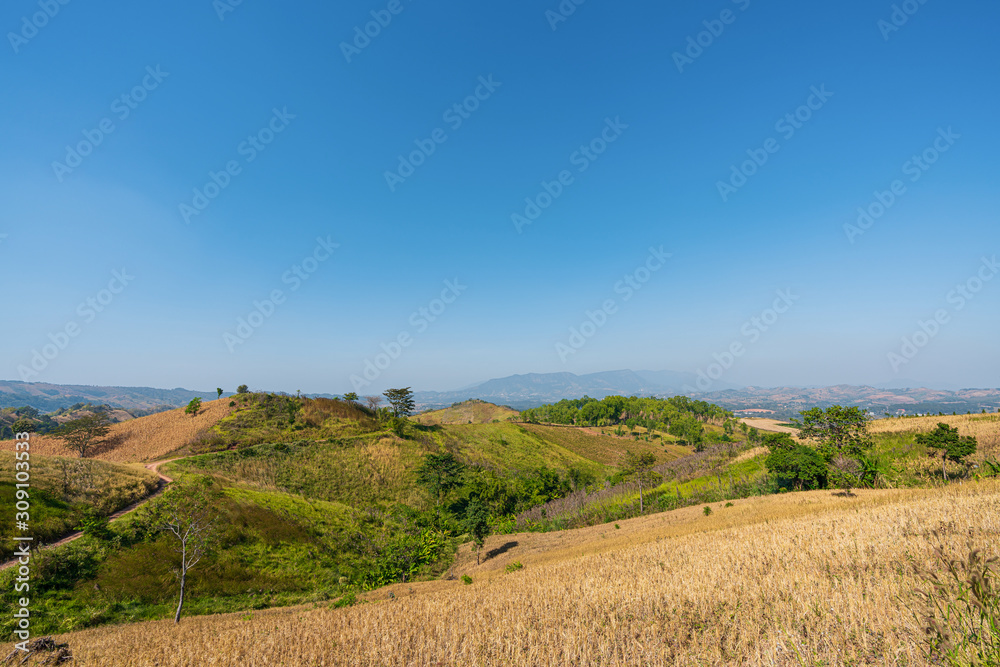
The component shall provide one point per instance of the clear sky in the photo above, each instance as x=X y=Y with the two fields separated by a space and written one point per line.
x=205 y=150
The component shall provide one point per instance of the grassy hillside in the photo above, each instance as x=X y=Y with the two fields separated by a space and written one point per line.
x=65 y=490
x=144 y=439
x=473 y=411
x=807 y=578
x=318 y=500
x=728 y=471
x=602 y=446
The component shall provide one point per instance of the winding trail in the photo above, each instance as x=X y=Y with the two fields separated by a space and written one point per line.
x=160 y=488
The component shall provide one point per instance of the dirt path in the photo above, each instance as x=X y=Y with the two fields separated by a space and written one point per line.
x=160 y=488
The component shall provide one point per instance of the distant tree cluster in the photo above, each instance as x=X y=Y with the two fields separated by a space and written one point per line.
x=680 y=416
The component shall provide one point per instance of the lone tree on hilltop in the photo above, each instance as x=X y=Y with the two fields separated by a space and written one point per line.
x=243 y=389
x=952 y=446
x=843 y=439
x=193 y=407
x=401 y=401
x=83 y=433
x=351 y=396
x=638 y=467
x=218 y=390
x=440 y=474
x=189 y=514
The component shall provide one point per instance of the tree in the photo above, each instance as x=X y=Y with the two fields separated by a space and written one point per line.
x=794 y=465
x=401 y=401
x=218 y=390
x=639 y=467
x=373 y=402
x=843 y=438
x=243 y=389
x=194 y=406
x=952 y=446
x=440 y=474
x=351 y=396
x=189 y=514
x=24 y=426
x=477 y=524
x=83 y=433
x=845 y=430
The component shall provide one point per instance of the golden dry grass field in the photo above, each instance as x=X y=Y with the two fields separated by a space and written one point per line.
x=143 y=439
x=796 y=579
x=468 y=412
x=765 y=424
x=985 y=428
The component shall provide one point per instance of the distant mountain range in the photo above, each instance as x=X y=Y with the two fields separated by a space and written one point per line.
x=49 y=397
x=534 y=389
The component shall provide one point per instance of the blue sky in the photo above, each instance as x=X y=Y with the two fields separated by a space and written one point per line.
x=337 y=118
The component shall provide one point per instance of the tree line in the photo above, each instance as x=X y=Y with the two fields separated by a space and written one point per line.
x=679 y=416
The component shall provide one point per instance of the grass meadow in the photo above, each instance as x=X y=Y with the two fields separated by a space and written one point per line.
x=798 y=579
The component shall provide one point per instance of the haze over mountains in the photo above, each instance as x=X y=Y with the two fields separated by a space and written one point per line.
x=533 y=389
x=48 y=397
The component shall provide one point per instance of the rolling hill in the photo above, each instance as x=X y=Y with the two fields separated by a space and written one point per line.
x=473 y=411
x=317 y=499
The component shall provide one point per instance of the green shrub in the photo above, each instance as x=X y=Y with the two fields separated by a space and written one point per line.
x=707 y=510
x=514 y=566
x=348 y=600
x=466 y=579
